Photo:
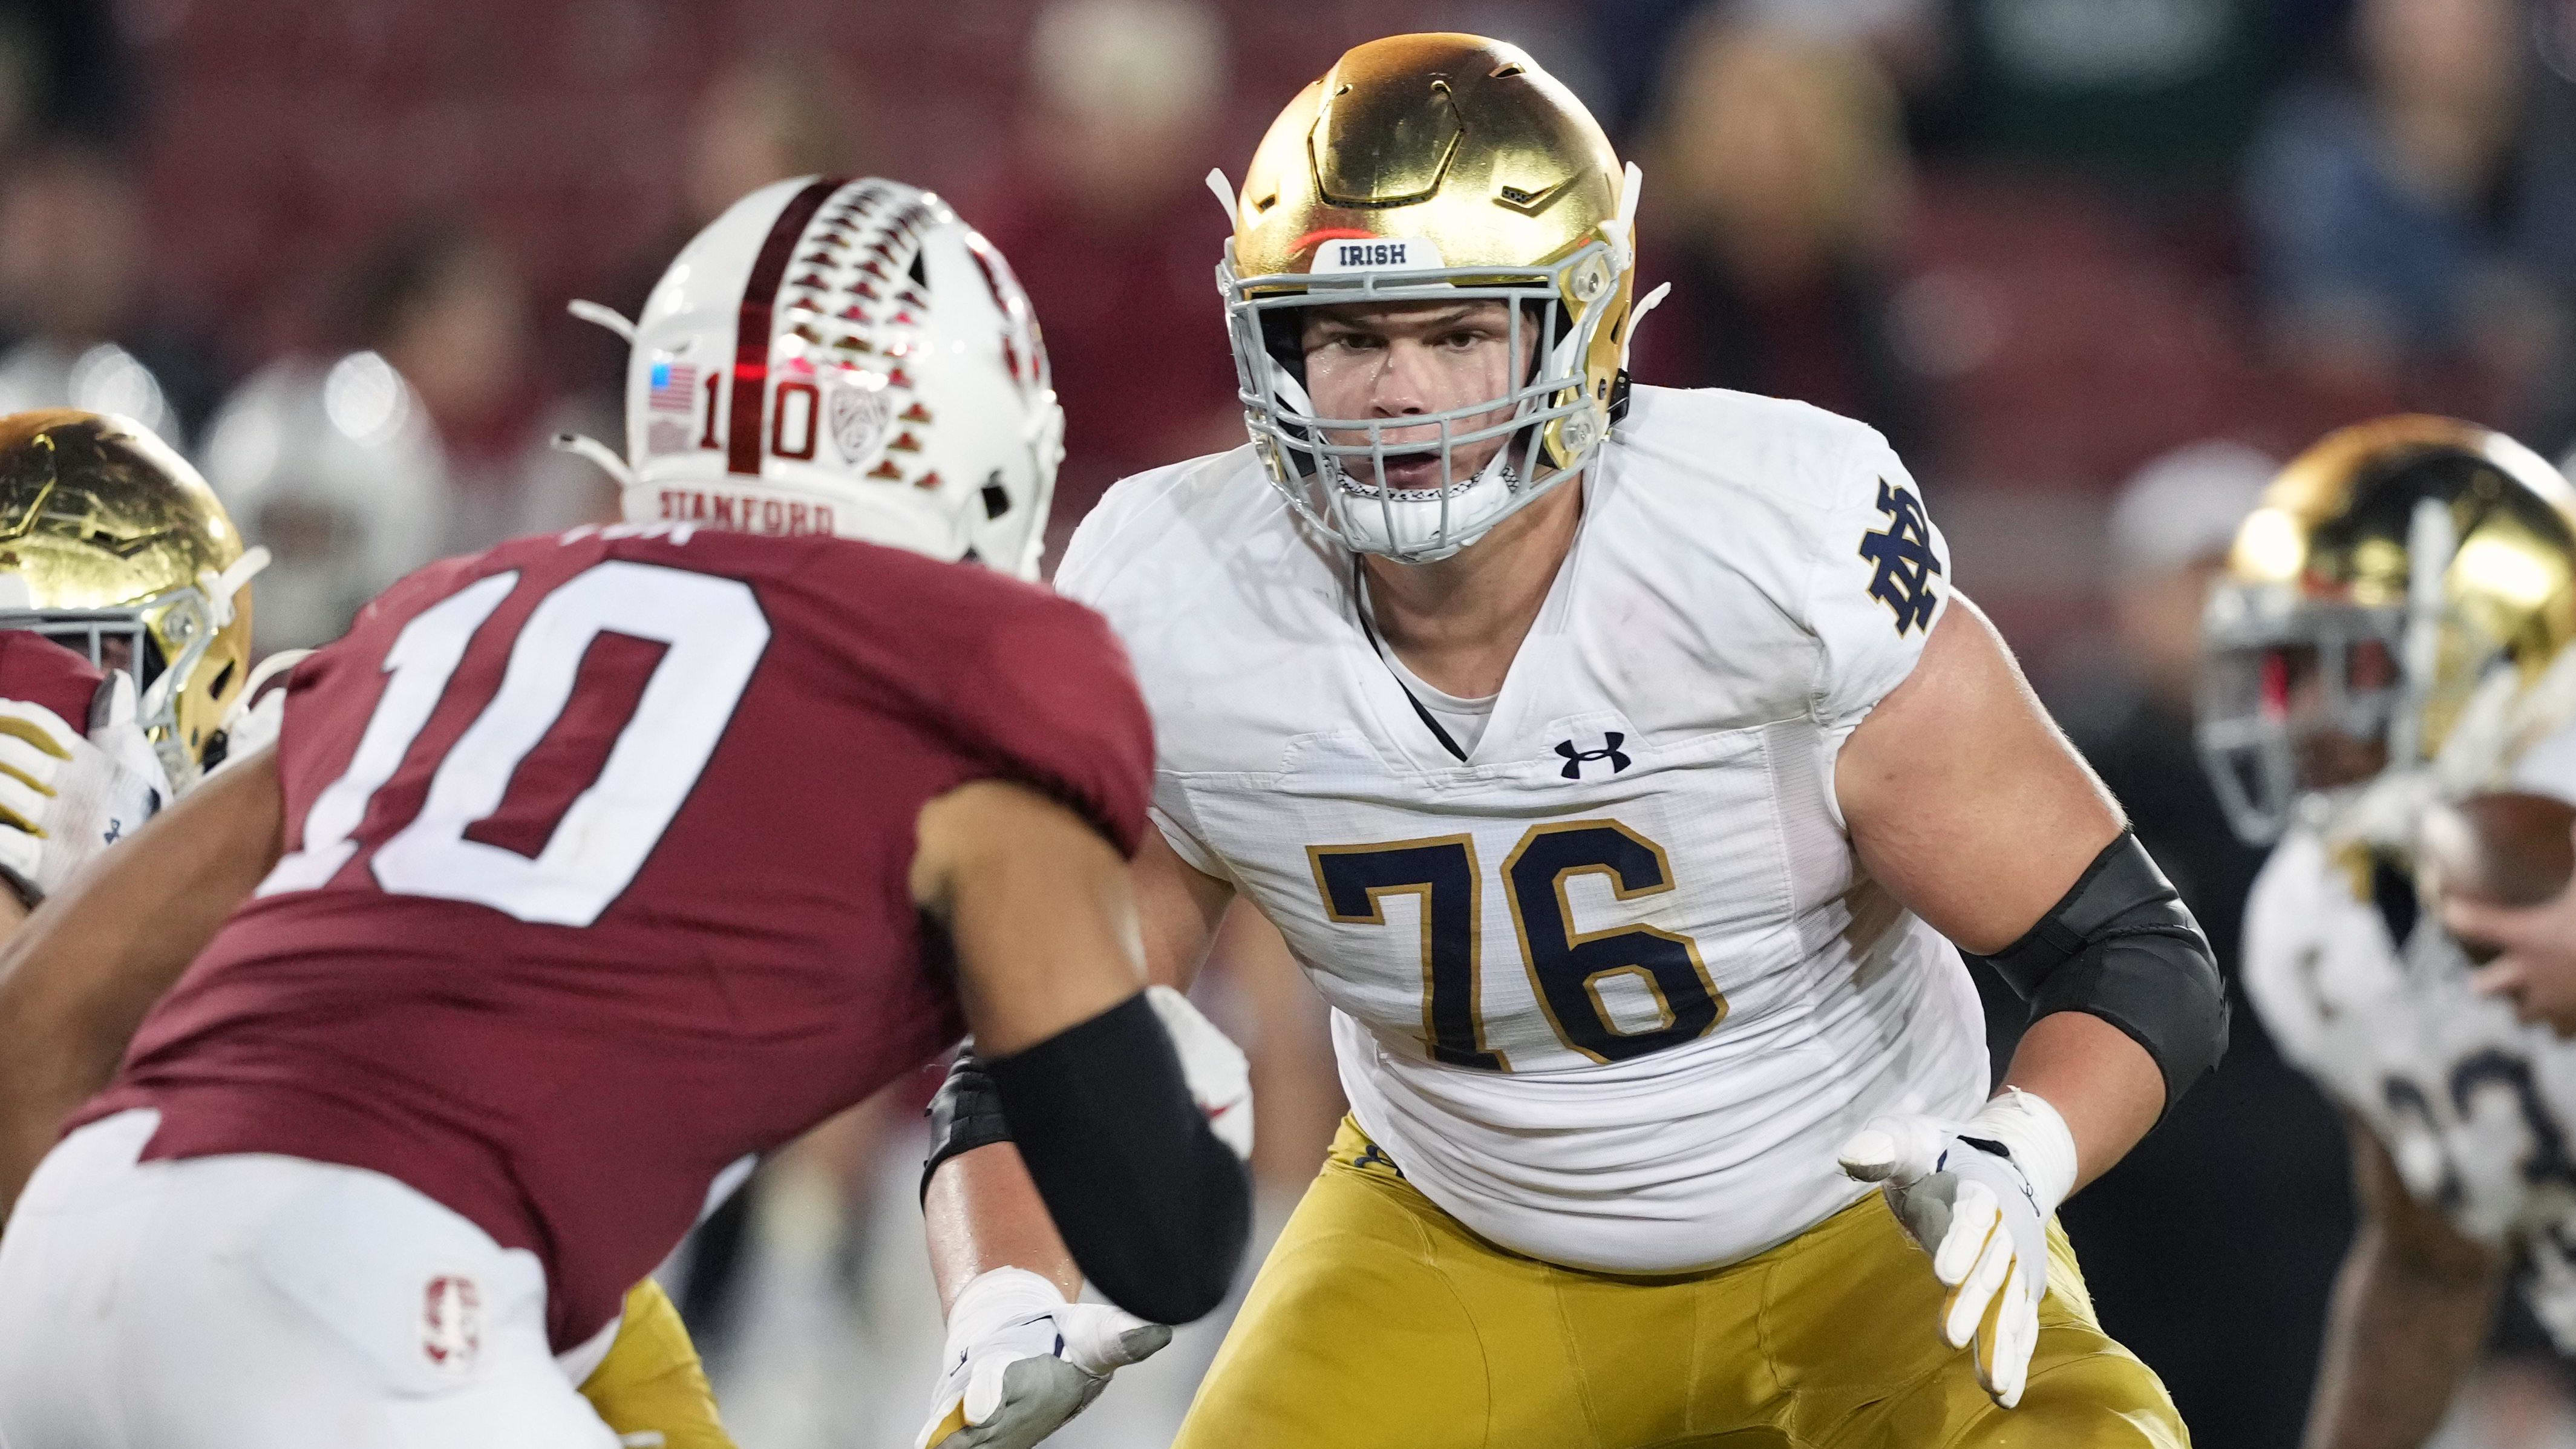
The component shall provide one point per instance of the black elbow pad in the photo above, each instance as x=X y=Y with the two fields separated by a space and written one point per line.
x=2122 y=946
x=1153 y=1207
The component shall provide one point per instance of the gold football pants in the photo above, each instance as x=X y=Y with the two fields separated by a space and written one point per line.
x=1380 y=1323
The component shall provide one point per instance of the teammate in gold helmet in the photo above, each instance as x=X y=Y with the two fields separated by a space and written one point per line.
x=114 y=549
x=111 y=543
x=1621 y=763
x=2388 y=569
x=2389 y=700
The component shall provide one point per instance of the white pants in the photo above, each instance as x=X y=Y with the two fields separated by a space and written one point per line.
x=258 y=1302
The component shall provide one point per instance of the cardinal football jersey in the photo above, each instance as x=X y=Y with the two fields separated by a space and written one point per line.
x=40 y=671
x=596 y=874
x=2474 y=1106
x=1611 y=989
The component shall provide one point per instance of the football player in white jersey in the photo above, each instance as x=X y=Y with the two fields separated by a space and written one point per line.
x=2388 y=679
x=1621 y=767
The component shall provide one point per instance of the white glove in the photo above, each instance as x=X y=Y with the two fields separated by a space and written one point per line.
x=1977 y=1196
x=64 y=797
x=1020 y=1361
x=258 y=712
x=1220 y=1079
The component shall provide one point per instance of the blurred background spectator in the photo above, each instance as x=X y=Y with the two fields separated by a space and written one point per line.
x=1110 y=228
x=334 y=465
x=1776 y=165
x=75 y=293
x=2051 y=247
x=2159 y=93
x=2391 y=213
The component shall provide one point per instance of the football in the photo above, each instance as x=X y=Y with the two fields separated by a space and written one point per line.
x=2510 y=850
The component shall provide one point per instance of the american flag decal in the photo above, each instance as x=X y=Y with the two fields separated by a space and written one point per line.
x=675 y=387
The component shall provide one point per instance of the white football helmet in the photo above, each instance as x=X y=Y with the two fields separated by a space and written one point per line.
x=336 y=469
x=842 y=357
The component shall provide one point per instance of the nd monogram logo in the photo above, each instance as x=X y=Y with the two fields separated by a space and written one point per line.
x=1903 y=554
x=451 y=1323
x=1576 y=759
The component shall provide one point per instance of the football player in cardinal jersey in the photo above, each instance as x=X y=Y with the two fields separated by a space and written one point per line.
x=536 y=920
x=2389 y=680
x=1621 y=765
x=123 y=571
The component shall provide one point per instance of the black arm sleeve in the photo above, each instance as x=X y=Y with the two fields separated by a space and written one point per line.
x=1155 y=1210
x=2122 y=946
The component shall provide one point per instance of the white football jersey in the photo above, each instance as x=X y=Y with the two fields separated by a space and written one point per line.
x=1611 y=989
x=2474 y=1106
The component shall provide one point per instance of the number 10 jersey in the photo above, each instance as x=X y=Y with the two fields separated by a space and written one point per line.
x=1610 y=987
x=596 y=874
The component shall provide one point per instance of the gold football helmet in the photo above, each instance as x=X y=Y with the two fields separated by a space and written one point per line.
x=2391 y=570
x=1429 y=168
x=112 y=545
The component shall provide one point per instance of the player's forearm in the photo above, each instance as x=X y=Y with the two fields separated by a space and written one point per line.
x=2103 y=1083
x=78 y=977
x=2400 y=1335
x=982 y=1212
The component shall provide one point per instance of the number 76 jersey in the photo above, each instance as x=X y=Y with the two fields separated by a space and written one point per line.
x=596 y=874
x=1608 y=984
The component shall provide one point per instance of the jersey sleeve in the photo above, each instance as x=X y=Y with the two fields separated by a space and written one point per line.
x=1172 y=816
x=2280 y=915
x=1055 y=704
x=1877 y=585
x=38 y=670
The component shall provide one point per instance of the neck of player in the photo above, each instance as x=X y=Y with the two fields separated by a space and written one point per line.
x=1458 y=622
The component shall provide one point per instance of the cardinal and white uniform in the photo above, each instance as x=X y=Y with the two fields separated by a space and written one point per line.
x=1608 y=986
x=571 y=920
x=2475 y=1107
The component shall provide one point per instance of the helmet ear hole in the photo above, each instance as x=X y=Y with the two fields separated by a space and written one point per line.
x=1283 y=337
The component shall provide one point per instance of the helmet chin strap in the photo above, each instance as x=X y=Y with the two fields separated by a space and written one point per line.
x=1223 y=190
x=597 y=452
x=599 y=316
x=591 y=448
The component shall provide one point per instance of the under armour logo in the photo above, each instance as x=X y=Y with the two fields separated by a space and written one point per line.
x=1576 y=759
x=1903 y=554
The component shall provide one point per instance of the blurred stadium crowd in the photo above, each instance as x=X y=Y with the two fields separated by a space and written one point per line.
x=2092 y=264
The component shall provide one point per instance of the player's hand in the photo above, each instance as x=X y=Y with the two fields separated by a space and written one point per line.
x=2535 y=962
x=1021 y=1361
x=1977 y=1196
x=66 y=796
x=1219 y=1078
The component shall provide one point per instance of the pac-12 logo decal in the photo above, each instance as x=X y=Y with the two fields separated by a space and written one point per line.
x=1903 y=555
x=451 y=1322
x=1576 y=759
